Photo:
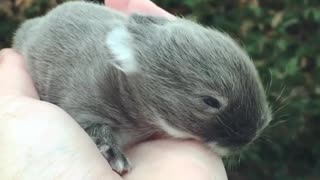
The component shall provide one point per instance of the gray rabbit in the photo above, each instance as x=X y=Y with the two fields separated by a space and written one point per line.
x=126 y=78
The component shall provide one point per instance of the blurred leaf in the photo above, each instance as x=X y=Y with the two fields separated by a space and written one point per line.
x=277 y=18
x=292 y=66
x=23 y=3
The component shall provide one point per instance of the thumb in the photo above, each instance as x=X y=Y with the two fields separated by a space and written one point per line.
x=14 y=77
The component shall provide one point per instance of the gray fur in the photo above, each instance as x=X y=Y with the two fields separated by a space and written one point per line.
x=179 y=62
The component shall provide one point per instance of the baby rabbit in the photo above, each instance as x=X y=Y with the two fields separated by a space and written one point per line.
x=125 y=78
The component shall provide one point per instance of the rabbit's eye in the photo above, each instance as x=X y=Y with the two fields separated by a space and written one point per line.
x=211 y=101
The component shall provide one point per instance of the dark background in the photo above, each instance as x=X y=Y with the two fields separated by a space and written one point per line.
x=282 y=37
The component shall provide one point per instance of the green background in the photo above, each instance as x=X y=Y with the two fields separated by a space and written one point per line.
x=282 y=37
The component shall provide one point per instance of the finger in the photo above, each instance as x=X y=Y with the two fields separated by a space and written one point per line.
x=173 y=160
x=142 y=6
x=14 y=77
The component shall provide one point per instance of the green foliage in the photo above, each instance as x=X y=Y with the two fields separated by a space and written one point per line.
x=282 y=37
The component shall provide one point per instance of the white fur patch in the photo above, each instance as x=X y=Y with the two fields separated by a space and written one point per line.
x=174 y=132
x=118 y=41
x=221 y=151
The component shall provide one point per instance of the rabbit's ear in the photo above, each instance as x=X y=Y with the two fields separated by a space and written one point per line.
x=147 y=19
x=119 y=41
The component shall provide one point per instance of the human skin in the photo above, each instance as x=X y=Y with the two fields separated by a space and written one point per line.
x=39 y=140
